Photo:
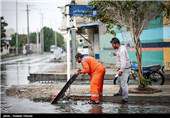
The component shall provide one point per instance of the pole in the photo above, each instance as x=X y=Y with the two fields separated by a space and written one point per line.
x=74 y=47
x=28 y=38
x=73 y=39
x=55 y=38
x=42 y=34
x=68 y=45
x=16 y=27
x=37 y=41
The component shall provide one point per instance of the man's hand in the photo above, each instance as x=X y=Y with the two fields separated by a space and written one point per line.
x=120 y=72
x=78 y=71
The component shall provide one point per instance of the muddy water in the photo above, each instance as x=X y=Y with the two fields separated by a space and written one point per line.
x=15 y=105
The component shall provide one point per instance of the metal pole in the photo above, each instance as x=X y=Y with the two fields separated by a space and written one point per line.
x=28 y=38
x=16 y=27
x=42 y=34
x=55 y=38
x=74 y=42
x=37 y=41
x=74 y=47
x=68 y=43
x=68 y=47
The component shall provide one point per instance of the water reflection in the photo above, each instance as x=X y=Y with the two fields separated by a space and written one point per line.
x=96 y=109
x=4 y=105
x=15 y=74
x=123 y=108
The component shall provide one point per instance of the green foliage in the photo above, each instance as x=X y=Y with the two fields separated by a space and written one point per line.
x=60 y=40
x=33 y=37
x=22 y=40
x=13 y=40
x=49 y=39
x=122 y=12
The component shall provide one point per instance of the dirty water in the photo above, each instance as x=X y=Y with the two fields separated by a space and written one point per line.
x=15 y=105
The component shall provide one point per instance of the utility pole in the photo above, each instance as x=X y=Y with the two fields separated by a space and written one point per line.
x=68 y=46
x=16 y=27
x=42 y=34
x=37 y=41
x=55 y=38
x=28 y=36
x=73 y=42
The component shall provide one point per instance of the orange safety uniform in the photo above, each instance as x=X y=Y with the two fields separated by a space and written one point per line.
x=96 y=71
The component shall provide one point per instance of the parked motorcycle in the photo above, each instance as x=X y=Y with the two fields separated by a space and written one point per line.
x=155 y=73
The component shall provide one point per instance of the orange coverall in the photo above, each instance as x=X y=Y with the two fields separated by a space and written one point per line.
x=96 y=71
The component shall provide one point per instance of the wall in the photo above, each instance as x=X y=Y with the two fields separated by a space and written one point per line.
x=155 y=32
x=166 y=51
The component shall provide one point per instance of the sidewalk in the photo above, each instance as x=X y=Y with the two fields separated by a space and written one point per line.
x=55 y=74
x=81 y=92
x=167 y=74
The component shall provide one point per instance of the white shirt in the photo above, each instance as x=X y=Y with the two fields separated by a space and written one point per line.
x=122 y=58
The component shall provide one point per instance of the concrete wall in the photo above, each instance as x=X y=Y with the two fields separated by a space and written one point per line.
x=166 y=51
x=155 y=32
x=166 y=58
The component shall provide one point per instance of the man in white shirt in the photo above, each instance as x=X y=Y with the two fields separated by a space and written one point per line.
x=123 y=68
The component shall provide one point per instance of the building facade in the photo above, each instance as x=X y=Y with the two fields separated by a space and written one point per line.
x=155 y=41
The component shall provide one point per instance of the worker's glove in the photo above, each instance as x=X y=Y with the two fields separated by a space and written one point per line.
x=78 y=71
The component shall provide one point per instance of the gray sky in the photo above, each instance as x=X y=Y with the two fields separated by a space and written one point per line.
x=52 y=15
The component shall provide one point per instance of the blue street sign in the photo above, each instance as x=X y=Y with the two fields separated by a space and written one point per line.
x=82 y=10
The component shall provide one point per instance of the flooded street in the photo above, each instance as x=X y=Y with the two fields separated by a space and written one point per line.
x=15 y=105
x=16 y=73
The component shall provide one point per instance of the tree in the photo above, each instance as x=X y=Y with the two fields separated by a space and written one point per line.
x=49 y=38
x=60 y=40
x=134 y=16
x=33 y=37
x=22 y=39
x=21 y=42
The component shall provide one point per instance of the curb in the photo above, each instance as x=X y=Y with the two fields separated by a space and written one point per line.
x=131 y=99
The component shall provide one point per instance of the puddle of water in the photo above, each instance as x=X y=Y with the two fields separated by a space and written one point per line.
x=15 y=105
x=15 y=74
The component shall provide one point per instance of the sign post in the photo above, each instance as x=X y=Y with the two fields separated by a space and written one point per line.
x=72 y=11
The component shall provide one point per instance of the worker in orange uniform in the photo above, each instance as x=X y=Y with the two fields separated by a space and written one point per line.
x=96 y=71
